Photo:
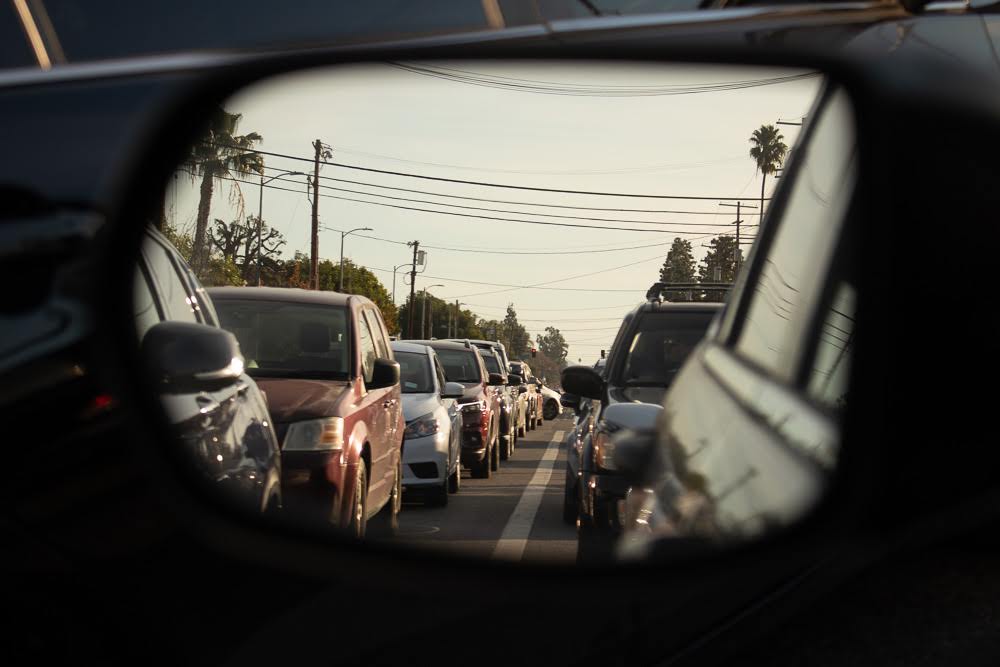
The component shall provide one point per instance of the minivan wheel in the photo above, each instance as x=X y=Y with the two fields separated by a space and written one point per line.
x=550 y=410
x=359 y=509
x=439 y=497
x=504 y=447
x=571 y=506
x=455 y=479
x=495 y=457
x=386 y=522
x=481 y=469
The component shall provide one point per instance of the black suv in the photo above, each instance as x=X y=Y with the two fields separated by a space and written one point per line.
x=653 y=341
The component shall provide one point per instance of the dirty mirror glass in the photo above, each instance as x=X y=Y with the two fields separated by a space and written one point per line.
x=484 y=307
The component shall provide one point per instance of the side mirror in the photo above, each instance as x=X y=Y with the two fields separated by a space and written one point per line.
x=523 y=389
x=496 y=379
x=185 y=357
x=515 y=380
x=635 y=439
x=583 y=381
x=571 y=401
x=385 y=374
x=453 y=390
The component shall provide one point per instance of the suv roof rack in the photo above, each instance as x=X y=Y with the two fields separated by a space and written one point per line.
x=655 y=293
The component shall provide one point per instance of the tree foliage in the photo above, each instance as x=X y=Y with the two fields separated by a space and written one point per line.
x=768 y=150
x=553 y=346
x=718 y=265
x=678 y=267
x=237 y=241
x=513 y=335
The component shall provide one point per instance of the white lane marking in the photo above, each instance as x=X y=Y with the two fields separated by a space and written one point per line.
x=514 y=538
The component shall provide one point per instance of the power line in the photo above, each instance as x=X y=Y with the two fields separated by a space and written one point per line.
x=627 y=305
x=476 y=183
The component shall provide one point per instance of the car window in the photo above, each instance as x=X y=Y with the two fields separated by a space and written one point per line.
x=460 y=365
x=147 y=314
x=790 y=275
x=174 y=295
x=440 y=371
x=492 y=365
x=659 y=346
x=368 y=353
x=381 y=346
x=280 y=339
x=828 y=374
x=415 y=373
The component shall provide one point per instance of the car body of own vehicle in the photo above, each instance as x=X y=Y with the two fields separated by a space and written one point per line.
x=325 y=362
x=480 y=406
x=534 y=401
x=432 y=447
x=652 y=342
x=727 y=437
x=513 y=411
x=226 y=430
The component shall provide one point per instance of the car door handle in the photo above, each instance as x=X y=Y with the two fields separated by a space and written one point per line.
x=389 y=403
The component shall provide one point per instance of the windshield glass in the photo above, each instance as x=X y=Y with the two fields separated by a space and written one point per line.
x=289 y=339
x=660 y=345
x=491 y=361
x=415 y=373
x=459 y=365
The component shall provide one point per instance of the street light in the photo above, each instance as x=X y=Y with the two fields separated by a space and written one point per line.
x=423 y=313
x=260 y=212
x=453 y=332
x=394 y=269
x=342 y=235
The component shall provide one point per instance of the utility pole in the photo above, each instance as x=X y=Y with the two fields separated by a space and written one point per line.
x=738 y=204
x=423 y=314
x=314 y=256
x=413 y=288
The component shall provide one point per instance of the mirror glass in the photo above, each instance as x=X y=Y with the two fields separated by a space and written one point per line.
x=352 y=225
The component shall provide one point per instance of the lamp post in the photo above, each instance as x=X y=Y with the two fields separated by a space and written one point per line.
x=260 y=213
x=394 y=269
x=340 y=288
x=453 y=333
x=423 y=313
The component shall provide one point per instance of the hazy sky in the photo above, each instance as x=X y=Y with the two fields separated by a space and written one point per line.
x=619 y=128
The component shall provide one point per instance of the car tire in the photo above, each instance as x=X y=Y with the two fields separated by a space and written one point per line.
x=521 y=429
x=504 y=447
x=481 y=469
x=550 y=411
x=571 y=503
x=495 y=457
x=386 y=522
x=359 y=510
x=455 y=479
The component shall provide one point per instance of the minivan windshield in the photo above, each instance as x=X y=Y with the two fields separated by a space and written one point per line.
x=492 y=365
x=296 y=340
x=660 y=345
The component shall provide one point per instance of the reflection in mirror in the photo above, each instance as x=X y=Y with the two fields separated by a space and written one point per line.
x=353 y=228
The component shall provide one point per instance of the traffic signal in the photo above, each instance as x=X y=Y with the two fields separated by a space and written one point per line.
x=534 y=352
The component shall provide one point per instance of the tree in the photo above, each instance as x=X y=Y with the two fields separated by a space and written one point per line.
x=513 y=336
x=678 y=267
x=719 y=265
x=553 y=346
x=237 y=241
x=217 y=271
x=768 y=151
x=222 y=153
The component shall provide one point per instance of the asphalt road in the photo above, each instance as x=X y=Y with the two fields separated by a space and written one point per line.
x=514 y=515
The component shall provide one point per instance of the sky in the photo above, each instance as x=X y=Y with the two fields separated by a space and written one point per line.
x=614 y=128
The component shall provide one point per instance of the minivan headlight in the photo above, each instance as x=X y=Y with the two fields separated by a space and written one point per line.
x=315 y=435
x=422 y=426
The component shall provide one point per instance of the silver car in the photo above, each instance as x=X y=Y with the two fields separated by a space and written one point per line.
x=431 y=442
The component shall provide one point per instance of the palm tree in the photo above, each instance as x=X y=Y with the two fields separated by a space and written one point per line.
x=221 y=154
x=768 y=152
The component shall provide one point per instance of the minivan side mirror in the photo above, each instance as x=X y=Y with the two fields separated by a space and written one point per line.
x=497 y=379
x=583 y=381
x=515 y=380
x=186 y=357
x=385 y=374
x=571 y=401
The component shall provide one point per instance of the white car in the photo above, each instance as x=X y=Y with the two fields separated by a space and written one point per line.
x=551 y=407
x=431 y=442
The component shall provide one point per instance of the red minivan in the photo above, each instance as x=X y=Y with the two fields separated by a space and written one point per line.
x=324 y=362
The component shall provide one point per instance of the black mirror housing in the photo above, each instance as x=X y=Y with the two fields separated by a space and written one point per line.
x=571 y=401
x=496 y=379
x=186 y=357
x=583 y=381
x=385 y=374
x=515 y=380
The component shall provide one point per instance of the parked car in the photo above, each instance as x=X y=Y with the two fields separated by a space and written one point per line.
x=654 y=339
x=511 y=414
x=551 y=404
x=585 y=410
x=480 y=404
x=220 y=414
x=325 y=361
x=534 y=401
x=708 y=472
x=432 y=444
